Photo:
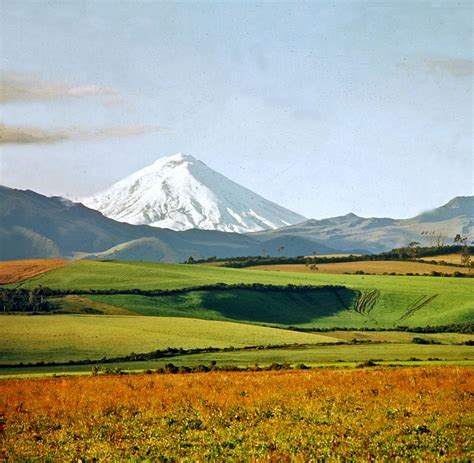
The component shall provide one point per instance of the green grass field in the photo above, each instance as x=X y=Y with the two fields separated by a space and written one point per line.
x=378 y=267
x=399 y=300
x=320 y=356
x=61 y=338
x=303 y=308
x=202 y=318
x=316 y=356
x=307 y=309
x=150 y=275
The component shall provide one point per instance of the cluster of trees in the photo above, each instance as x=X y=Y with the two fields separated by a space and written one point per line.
x=410 y=252
x=249 y=261
x=38 y=296
x=438 y=247
x=25 y=300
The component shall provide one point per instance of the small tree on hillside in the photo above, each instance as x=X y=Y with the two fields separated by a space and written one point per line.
x=412 y=250
x=465 y=254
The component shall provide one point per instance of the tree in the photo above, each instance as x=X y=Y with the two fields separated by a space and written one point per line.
x=36 y=299
x=465 y=254
x=413 y=249
x=466 y=258
x=4 y=297
x=458 y=239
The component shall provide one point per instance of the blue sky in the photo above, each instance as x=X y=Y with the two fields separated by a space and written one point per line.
x=323 y=107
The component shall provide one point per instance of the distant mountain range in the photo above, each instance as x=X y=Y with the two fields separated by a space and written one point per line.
x=35 y=226
x=179 y=192
x=382 y=234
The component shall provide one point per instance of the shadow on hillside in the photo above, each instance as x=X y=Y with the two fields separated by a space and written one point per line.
x=286 y=308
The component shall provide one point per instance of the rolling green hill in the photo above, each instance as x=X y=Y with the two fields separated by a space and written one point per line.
x=61 y=338
x=374 y=301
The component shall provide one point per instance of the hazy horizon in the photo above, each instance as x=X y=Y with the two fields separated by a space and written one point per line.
x=324 y=108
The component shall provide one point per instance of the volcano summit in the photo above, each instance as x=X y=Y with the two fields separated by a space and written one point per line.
x=180 y=192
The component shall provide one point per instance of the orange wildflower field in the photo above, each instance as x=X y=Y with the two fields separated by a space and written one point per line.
x=406 y=414
x=19 y=270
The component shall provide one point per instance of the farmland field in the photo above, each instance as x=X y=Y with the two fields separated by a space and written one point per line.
x=61 y=338
x=233 y=316
x=150 y=275
x=307 y=309
x=404 y=300
x=449 y=258
x=378 y=267
x=421 y=414
x=18 y=270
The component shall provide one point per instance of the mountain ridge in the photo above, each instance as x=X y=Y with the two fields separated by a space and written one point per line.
x=36 y=226
x=379 y=234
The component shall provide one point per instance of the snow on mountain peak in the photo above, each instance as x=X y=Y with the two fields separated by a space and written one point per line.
x=181 y=192
x=178 y=157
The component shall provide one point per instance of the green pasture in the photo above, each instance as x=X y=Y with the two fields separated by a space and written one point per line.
x=61 y=338
x=234 y=316
x=308 y=309
x=151 y=275
x=319 y=356
x=397 y=300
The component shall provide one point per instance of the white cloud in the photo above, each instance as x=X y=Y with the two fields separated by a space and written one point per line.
x=18 y=87
x=27 y=135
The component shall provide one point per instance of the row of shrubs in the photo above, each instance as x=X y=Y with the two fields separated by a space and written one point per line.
x=465 y=328
x=433 y=273
x=173 y=352
x=202 y=368
x=170 y=292
x=160 y=354
x=35 y=300
x=170 y=368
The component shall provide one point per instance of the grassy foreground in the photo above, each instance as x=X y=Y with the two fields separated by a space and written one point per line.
x=418 y=414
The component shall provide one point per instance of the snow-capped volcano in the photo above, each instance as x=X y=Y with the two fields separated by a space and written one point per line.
x=181 y=192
